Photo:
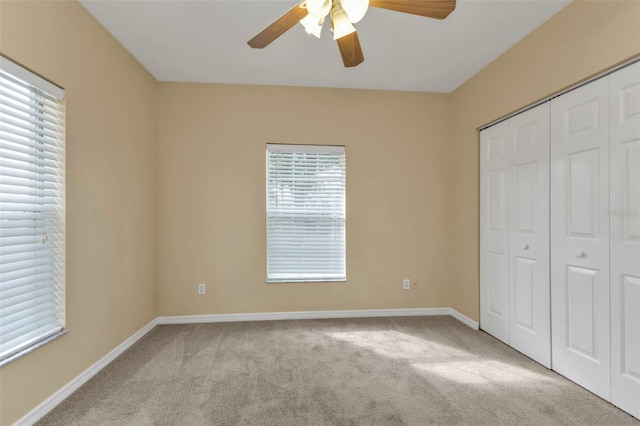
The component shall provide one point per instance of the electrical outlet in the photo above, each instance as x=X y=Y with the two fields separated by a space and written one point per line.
x=406 y=284
x=414 y=284
x=202 y=288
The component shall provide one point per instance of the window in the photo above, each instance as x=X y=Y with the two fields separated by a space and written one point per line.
x=305 y=213
x=32 y=203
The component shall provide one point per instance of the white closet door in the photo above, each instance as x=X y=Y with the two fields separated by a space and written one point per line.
x=580 y=236
x=494 y=242
x=625 y=239
x=529 y=304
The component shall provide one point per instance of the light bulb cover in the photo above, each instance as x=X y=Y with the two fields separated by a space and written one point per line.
x=312 y=25
x=318 y=8
x=341 y=24
x=355 y=9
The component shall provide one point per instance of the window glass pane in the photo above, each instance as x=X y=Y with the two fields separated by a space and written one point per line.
x=305 y=213
x=32 y=256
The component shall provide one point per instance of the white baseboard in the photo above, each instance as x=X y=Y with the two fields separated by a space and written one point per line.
x=272 y=316
x=464 y=319
x=361 y=313
x=50 y=403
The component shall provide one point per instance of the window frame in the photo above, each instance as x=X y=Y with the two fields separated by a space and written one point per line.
x=32 y=131
x=300 y=277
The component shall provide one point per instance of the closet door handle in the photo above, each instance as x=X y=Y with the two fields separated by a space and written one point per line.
x=524 y=246
x=580 y=253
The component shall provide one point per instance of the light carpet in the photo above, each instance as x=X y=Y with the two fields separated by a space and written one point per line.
x=374 y=371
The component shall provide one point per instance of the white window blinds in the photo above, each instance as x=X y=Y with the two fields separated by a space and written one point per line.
x=305 y=213
x=32 y=202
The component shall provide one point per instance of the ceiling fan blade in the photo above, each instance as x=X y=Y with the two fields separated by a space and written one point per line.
x=350 y=50
x=279 y=26
x=438 y=9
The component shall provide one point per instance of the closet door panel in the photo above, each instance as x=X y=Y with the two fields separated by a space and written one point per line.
x=580 y=236
x=624 y=216
x=529 y=305
x=494 y=315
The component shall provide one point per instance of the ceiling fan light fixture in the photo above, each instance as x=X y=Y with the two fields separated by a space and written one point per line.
x=318 y=8
x=355 y=9
x=312 y=25
x=341 y=23
x=343 y=14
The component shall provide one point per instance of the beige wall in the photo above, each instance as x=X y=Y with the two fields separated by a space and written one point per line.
x=191 y=184
x=111 y=132
x=584 y=39
x=211 y=195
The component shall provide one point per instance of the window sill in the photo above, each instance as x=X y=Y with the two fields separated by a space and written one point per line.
x=22 y=352
x=319 y=281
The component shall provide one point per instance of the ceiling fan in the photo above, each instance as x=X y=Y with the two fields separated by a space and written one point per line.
x=343 y=14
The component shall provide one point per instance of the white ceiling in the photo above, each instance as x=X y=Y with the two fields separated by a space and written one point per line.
x=205 y=41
